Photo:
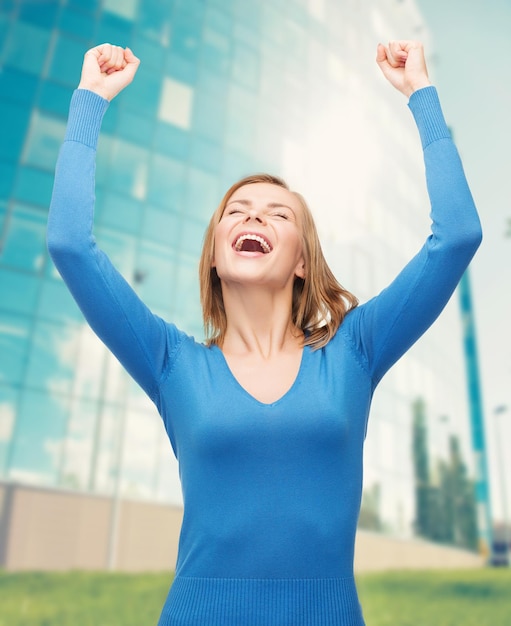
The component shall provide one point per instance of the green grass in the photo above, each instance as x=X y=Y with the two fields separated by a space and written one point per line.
x=437 y=598
x=443 y=598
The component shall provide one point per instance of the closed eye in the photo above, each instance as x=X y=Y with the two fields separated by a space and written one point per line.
x=280 y=214
x=233 y=211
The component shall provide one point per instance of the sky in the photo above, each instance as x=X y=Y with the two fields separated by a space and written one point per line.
x=470 y=65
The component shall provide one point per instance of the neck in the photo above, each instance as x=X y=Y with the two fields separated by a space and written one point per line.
x=259 y=321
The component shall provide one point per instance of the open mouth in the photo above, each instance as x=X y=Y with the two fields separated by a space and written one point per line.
x=250 y=242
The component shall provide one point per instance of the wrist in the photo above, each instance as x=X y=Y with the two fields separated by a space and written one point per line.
x=415 y=86
x=95 y=88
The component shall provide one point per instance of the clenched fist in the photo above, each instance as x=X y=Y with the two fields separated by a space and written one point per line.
x=108 y=69
x=403 y=65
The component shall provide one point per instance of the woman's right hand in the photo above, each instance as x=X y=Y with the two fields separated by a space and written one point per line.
x=108 y=69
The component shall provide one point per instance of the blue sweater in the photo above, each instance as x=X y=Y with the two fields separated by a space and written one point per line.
x=271 y=491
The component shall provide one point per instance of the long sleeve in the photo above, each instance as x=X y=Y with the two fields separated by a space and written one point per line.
x=386 y=326
x=139 y=339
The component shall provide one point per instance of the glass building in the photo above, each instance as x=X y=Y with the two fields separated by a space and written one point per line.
x=225 y=88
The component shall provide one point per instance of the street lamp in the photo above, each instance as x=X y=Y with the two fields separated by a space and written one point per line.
x=501 y=410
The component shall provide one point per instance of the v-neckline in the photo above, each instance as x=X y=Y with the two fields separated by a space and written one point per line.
x=241 y=388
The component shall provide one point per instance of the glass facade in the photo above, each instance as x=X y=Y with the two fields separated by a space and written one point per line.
x=225 y=88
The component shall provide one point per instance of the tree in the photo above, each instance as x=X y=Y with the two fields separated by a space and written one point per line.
x=446 y=508
x=423 y=494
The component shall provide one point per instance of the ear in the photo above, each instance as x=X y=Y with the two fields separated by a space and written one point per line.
x=300 y=268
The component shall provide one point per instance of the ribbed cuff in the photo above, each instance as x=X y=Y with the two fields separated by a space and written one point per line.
x=85 y=116
x=426 y=109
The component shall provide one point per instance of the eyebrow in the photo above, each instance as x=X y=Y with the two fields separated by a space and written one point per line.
x=270 y=205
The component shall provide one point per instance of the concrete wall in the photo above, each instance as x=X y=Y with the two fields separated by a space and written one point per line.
x=376 y=552
x=44 y=529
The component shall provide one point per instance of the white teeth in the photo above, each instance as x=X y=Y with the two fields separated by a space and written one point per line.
x=239 y=242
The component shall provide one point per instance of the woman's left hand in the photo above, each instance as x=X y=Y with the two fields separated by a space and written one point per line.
x=403 y=65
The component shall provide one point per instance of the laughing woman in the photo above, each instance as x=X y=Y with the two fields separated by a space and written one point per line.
x=267 y=418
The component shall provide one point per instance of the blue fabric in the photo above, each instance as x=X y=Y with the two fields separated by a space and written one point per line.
x=271 y=491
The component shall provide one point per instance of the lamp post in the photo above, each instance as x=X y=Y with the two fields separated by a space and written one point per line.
x=499 y=411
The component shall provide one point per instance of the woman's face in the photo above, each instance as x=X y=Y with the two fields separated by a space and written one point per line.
x=258 y=240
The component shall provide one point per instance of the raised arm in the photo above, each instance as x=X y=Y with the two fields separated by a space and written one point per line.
x=139 y=339
x=386 y=326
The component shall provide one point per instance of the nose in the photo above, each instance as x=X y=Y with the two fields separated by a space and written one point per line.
x=254 y=214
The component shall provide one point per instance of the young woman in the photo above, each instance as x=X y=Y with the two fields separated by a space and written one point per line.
x=268 y=418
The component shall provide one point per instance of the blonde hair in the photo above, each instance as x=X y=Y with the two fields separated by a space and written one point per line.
x=319 y=302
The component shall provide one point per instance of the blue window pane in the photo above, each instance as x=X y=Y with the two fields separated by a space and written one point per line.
x=214 y=87
x=52 y=356
x=185 y=38
x=166 y=183
x=156 y=267
x=17 y=86
x=55 y=98
x=109 y=124
x=203 y=194
x=172 y=141
x=66 y=61
x=77 y=24
x=245 y=66
x=77 y=447
x=247 y=13
x=7 y=172
x=25 y=240
x=56 y=303
x=192 y=235
x=190 y=9
x=120 y=249
x=144 y=95
x=126 y=9
x=271 y=25
x=216 y=51
x=206 y=155
x=187 y=307
x=226 y=5
x=219 y=21
x=239 y=135
x=89 y=6
x=152 y=54
x=235 y=166
x=141 y=459
x=114 y=29
x=14 y=121
x=40 y=432
x=135 y=127
x=18 y=292
x=128 y=169
x=161 y=226
x=33 y=186
x=182 y=69
x=43 y=142
x=247 y=35
x=29 y=58
x=154 y=21
x=41 y=14
x=208 y=117
x=14 y=334
x=4 y=24
x=119 y=211
x=104 y=475
x=8 y=410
